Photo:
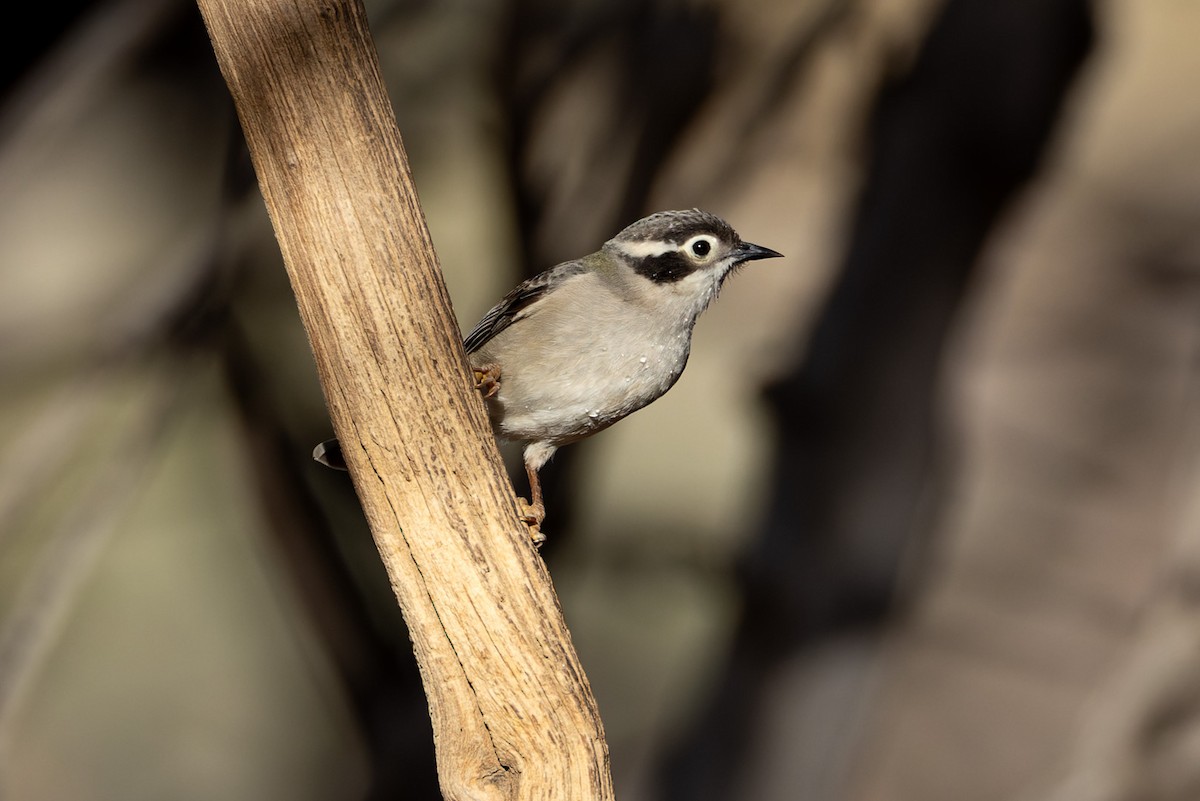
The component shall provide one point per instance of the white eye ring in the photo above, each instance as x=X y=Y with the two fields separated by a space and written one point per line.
x=700 y=247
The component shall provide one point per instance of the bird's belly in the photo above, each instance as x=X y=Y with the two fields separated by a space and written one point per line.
x=566 y=399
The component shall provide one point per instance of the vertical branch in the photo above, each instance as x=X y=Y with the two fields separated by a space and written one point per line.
x=512 y=712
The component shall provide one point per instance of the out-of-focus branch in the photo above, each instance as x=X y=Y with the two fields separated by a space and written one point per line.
x=79 y=66
x=512 y=712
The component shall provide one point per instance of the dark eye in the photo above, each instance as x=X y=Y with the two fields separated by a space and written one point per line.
x=701 y=247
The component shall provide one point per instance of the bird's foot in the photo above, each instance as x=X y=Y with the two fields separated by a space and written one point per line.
x=487 y=379
x=532 y=516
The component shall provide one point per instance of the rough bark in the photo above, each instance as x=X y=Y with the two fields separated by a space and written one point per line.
x=512 y=712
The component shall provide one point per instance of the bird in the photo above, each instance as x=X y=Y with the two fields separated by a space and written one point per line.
x=581 y=346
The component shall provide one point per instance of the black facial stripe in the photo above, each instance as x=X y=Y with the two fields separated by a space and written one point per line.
x=665 y=268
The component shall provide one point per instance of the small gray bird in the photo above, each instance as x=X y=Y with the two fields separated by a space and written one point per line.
x=575 y=349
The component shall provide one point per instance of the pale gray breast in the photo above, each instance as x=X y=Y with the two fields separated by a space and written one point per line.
x=583 y=358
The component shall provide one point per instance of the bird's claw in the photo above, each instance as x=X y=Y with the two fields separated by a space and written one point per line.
x=532 y=516
x=487 y=379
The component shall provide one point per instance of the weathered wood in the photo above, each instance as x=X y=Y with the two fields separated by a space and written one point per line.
x=513 y=715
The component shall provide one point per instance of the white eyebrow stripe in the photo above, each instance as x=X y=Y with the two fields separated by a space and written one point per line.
x=643 y=250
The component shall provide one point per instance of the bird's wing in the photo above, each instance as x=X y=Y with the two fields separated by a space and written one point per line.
x=516 y=304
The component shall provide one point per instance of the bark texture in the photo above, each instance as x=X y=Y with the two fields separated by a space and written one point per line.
x=512 y=712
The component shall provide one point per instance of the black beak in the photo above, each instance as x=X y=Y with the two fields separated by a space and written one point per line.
x=748 y=251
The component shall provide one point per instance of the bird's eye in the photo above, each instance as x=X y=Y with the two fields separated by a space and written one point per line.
x=701 y=247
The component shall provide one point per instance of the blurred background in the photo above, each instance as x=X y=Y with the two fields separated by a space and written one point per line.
x=920 y=522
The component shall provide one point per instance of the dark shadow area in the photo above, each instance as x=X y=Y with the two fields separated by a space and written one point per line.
x=857 y=444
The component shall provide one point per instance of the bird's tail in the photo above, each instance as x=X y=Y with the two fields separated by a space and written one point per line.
x=329 y=453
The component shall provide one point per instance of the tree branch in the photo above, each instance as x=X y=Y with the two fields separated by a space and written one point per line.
x=512 y=712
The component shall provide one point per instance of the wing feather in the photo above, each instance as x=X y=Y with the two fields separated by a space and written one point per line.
x=517 y=304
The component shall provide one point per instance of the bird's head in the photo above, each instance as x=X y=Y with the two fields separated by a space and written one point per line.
x=687 y=254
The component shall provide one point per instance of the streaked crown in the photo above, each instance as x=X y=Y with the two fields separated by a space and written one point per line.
x=676 y=227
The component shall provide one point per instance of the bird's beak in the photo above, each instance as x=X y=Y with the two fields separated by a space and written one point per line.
x=748 y=251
